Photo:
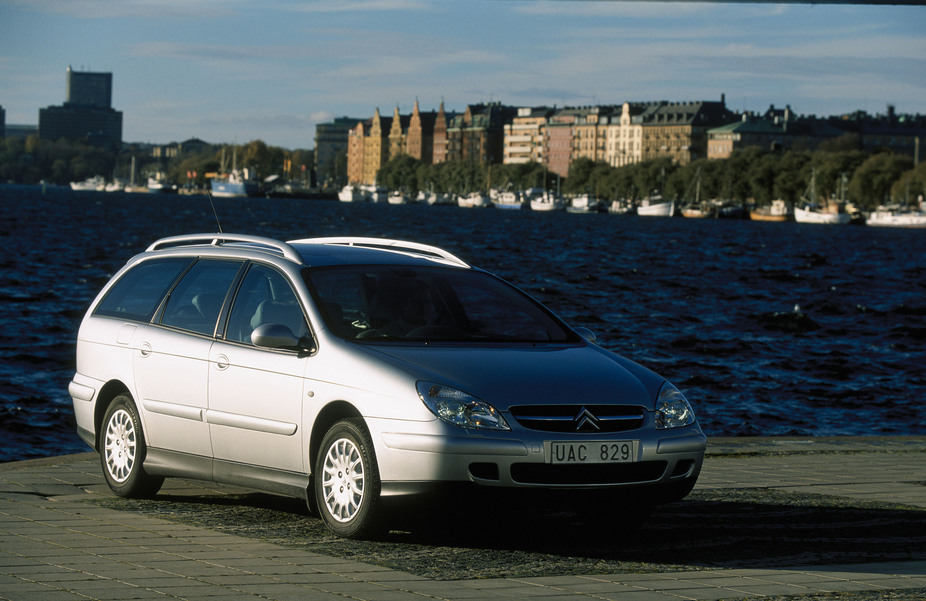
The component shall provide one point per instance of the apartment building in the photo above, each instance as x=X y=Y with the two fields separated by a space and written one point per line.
x=624 y=136
x=331 y=141
x=678 y=130
x=525 y=136
x=478 y=135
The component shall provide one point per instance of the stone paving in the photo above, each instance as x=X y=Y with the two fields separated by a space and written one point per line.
x=56 y=546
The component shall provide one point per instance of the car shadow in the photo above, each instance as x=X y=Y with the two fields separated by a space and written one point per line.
x=467 y=537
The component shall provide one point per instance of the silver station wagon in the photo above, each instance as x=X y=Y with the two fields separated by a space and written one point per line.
x=355 y=372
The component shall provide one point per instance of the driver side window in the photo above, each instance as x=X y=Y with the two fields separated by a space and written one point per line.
x=265 y=297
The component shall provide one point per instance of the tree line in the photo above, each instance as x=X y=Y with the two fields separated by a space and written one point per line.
x=752 y=176
x=31 y=160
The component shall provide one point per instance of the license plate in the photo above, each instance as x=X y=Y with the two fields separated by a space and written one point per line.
x=592 y=451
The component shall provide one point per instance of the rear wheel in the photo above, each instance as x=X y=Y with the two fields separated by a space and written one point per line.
x=123 y=449
x=346 y=481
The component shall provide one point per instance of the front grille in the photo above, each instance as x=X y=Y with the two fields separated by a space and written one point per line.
x=586 y=419
x=615 y=473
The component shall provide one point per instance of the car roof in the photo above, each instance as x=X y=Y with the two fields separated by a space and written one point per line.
x=316 y=252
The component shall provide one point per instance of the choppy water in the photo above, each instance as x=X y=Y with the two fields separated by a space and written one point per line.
x=708 y=303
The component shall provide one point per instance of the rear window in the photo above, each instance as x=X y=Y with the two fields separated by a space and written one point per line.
x=138 y=292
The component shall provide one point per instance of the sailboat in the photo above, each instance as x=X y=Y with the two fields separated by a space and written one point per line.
x=696 y=209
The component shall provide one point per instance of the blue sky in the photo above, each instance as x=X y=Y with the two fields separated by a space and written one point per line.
x=239 y=70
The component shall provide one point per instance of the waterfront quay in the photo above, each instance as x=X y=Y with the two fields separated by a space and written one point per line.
x=64 y=536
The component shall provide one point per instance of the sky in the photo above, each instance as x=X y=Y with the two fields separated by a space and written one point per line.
x=232 y=71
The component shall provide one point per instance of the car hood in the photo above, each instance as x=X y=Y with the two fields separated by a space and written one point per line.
x=505 y=376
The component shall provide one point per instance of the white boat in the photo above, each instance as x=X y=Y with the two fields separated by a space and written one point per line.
x=583 y=203
x=474 y=200
x=96 y=183
x=817 y=214
x=621 y=207
x=117 y=185
x=397 y=198
x=375 y=193
x=350 y=193
x=159 y=184
x=887 y=217
x=507 y=200
x=810 y=211
x=547 y=201
x=656 y=207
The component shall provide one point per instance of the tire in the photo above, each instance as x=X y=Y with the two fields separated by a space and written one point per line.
x=346 y=481
x=123 y=450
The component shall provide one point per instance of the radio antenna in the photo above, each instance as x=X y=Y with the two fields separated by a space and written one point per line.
x=212 y=204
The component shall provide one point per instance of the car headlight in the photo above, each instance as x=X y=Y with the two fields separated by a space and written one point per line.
x=459 y=408
x=672 y=408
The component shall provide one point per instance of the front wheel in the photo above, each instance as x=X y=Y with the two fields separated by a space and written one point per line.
x=346 y=480
x=122 y=451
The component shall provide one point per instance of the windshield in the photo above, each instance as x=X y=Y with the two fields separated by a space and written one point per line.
x=429 y=303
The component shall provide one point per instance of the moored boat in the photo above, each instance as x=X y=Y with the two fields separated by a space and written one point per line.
x=546 y=201
x=351 y=193
x=583 y=203
x=826 y=212
x=95 y=183
x=655 y=206
x=891 y=217
x=397 y=198
x=777 y=211
x=507 y=200
x=235 y=184
x=811 y=213
x=474 y=200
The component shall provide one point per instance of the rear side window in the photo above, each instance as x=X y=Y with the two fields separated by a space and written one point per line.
x=139 y=291
x=195 y=303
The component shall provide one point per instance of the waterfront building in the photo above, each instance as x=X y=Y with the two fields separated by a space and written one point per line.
x=375 y=147
x=87 y=114
x=678 y=130
x=478 y=135
x=419 y=143
x=398 y=135
x=89 y=88
x=624 y=136
x=355 y=147
x=901 y=134
x=559 y=140
x=331 y=144
x=589 y=132
x=776 y=129
x=440 y=136
x=525 y=136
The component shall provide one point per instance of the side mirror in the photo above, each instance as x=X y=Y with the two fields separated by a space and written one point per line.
x=276 y=335
x=587 y=334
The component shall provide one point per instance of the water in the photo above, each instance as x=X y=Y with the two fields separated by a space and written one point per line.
x=710 y=304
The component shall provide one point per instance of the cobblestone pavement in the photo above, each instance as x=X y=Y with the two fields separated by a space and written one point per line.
x=64 y=536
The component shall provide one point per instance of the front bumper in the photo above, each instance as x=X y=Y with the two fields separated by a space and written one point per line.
x=411 y=462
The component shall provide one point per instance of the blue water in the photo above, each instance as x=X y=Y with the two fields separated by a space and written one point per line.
x=710 y=304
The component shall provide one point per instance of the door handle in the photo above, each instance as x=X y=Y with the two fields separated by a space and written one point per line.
x=145 y=349
x=221 y=362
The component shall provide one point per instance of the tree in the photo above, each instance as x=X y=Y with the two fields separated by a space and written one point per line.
x=871 y=183
x=911 y=187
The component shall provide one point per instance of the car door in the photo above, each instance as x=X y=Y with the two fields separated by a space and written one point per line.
x=171 y=358
x=256 y=394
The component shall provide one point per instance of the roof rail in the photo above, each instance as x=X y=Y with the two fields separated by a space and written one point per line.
x=219 y=239
x=387 y=244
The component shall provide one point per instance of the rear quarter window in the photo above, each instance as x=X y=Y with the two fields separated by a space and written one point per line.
x=137 y=294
